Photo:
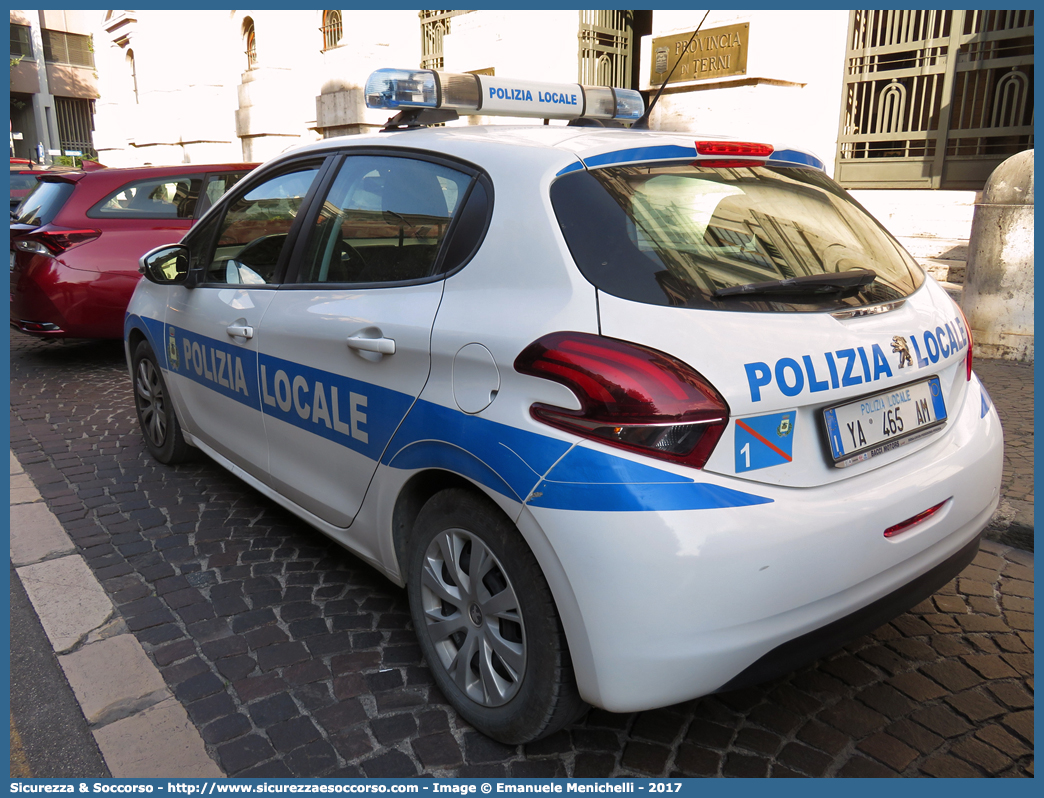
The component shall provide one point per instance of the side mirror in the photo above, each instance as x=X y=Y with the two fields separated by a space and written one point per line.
x=166 y=265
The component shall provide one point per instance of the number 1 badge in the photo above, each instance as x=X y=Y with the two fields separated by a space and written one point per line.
x=764 y=441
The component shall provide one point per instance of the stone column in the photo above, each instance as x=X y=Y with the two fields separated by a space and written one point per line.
x=998 y=287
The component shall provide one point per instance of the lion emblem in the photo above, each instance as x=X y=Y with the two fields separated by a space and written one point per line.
x=899 y=345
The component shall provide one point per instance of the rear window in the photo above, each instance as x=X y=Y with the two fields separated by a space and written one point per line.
x=20 y=182
x=674 y=234
x=44 y=203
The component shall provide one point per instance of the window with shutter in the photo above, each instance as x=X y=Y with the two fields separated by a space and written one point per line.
x=68 y=48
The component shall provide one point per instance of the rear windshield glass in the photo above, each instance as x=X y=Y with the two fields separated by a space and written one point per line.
x=22 y=182
x=44 y=203
x=678 y=234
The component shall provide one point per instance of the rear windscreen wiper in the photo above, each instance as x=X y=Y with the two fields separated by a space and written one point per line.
x=829 y=283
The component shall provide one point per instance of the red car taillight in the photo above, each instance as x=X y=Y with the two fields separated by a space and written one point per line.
x=631 y=397
x=53 y=241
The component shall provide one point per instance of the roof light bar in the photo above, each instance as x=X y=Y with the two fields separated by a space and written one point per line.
x=394 y=89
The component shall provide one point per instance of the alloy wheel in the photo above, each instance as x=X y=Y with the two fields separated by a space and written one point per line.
x=472 y=617
x=151 y=402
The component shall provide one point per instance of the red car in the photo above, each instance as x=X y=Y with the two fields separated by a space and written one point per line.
x=76 y=240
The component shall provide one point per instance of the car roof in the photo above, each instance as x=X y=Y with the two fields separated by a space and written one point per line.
x=130 y=172
x=110 y=178
x=594 y=146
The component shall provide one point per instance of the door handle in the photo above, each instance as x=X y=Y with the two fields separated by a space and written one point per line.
x=240 y=330
x=382 y=346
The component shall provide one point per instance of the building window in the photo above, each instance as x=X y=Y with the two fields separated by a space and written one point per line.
x=434 y=26
x=132 y=67
x=934 y=99
x=332 y=29
x=68 y=48
x=605 y=48
x=21 y=42
x=251 y=43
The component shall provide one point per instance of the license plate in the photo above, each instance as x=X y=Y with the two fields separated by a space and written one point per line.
x=880 y=422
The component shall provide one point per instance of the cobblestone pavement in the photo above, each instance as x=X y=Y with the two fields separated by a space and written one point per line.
x=294 y=658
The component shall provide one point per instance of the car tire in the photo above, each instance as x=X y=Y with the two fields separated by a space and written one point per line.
x=156 y=416
x=496 y=647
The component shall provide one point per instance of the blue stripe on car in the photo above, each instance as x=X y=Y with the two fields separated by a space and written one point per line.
x=663 y=152
x=516 y=463
x=571 y=168
x=153 y=330
x=223 y=367
x=639 y=497
x=796 y=157
x=359 y=415
x=518 y=457
x=497 y=455
x=674 y=152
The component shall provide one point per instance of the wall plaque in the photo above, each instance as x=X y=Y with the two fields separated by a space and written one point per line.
x=714 y=53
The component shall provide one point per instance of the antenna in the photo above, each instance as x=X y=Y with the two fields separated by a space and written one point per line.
x=643 y=122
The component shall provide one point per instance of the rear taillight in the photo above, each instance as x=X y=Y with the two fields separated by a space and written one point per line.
x=967 y=331
x=53 y=241
x=631 y=397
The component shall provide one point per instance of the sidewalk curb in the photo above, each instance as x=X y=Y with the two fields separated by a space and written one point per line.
x=141 y=730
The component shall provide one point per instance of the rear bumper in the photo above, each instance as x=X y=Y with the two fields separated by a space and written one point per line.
x=50 y=299
x=813 y=645
x=663 y=607
x=33 y=310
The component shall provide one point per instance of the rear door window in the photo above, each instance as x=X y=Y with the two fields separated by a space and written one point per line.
x=172 y=197
x=384 y=220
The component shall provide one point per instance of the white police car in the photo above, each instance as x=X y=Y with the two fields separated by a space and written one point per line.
x=635 y=416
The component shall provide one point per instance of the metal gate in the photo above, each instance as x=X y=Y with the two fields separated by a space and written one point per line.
x=934 y=99
x=435 y=25
x=605 y=48
x=75 y=123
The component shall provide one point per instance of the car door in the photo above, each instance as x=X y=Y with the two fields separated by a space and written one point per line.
x=344 y=349
x=132 y=219
x=212 y=329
